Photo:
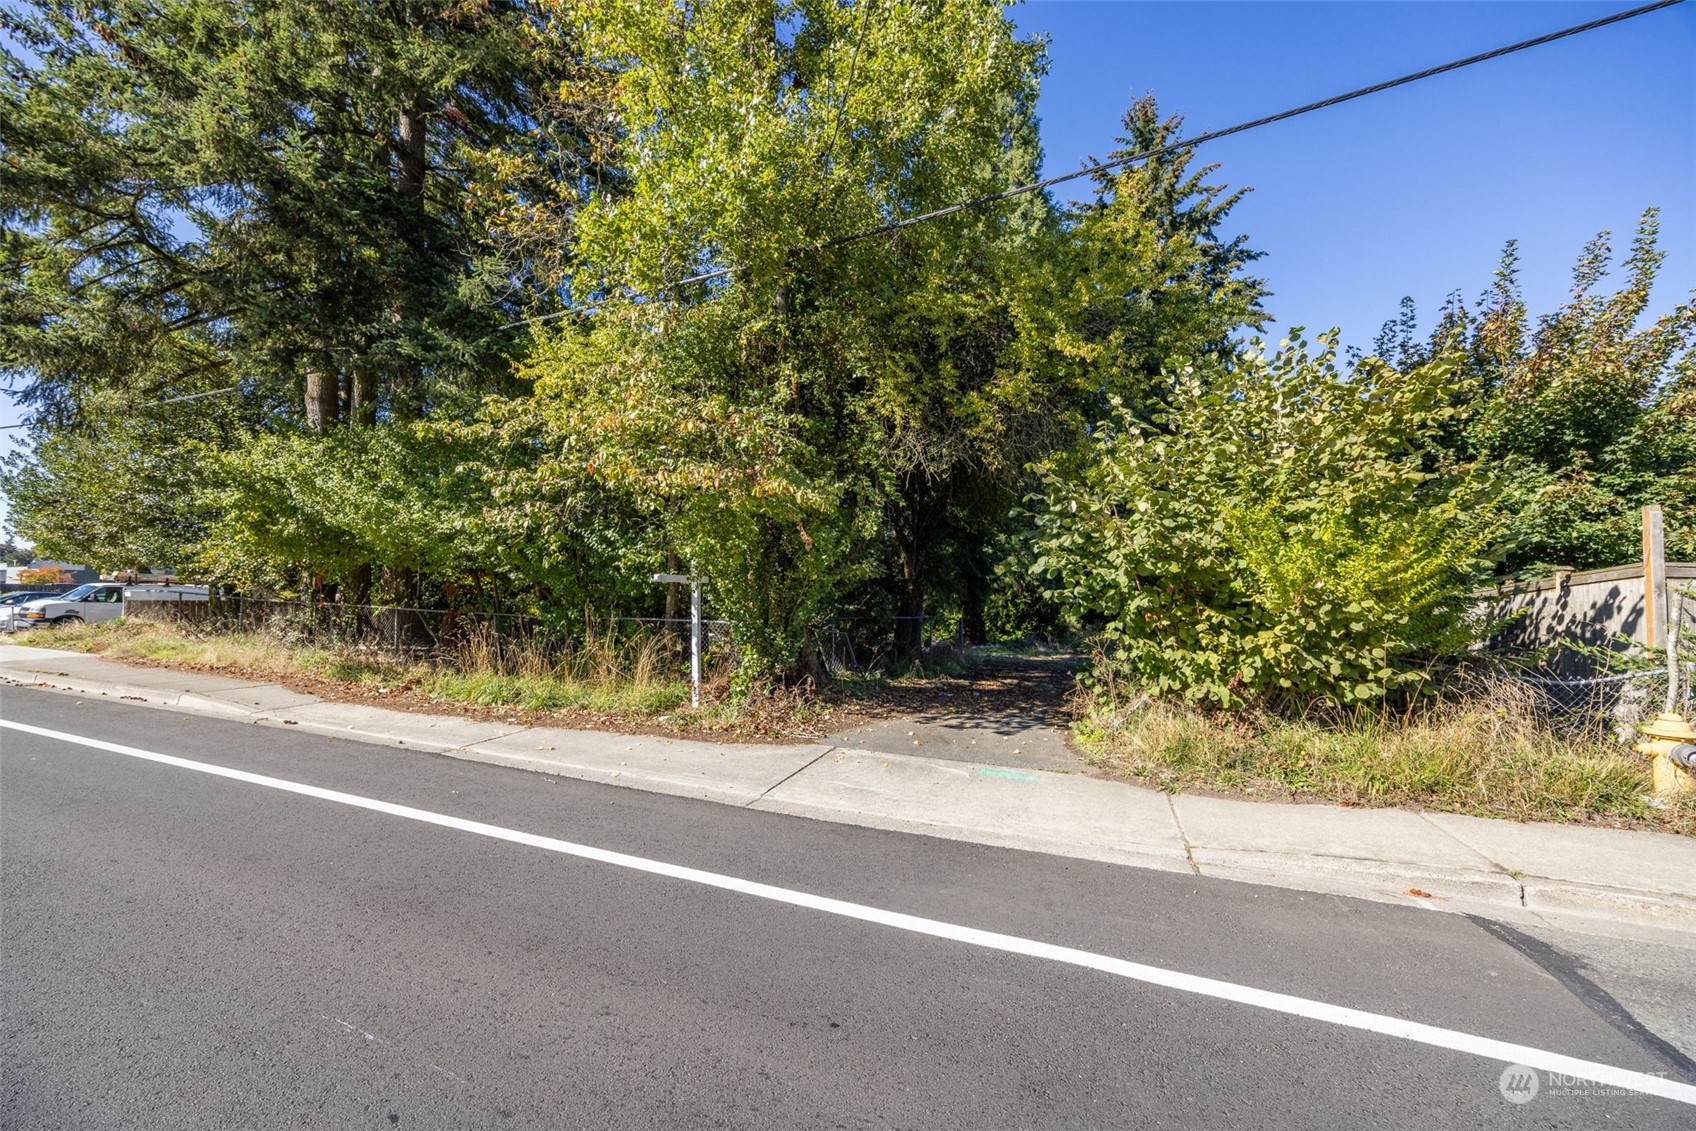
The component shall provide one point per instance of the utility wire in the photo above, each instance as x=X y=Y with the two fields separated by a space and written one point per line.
x=1099 y=167
x=1149 y=154
x=842 y=112
x=848 y=87
x=1161 y=151
x=591 y=307
x=190 y=397
x=155 y=404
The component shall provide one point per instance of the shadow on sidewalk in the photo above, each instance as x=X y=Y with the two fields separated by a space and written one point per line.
x=1005 y=711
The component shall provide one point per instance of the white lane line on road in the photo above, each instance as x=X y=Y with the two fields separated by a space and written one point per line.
x=1453 y=1039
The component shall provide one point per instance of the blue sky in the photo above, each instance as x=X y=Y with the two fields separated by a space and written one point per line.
x=1409 y=192
x=1415 y=190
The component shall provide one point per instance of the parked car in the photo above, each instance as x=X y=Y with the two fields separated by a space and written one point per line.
x=91 y=603
x=97 y=602
x=12 y=602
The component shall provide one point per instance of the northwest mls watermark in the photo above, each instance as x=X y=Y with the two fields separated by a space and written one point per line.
x=1520 y=1085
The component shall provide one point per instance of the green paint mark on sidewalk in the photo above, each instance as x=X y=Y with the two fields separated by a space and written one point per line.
x=1010 y=775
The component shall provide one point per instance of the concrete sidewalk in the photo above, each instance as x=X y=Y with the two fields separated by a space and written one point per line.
x=1604 y=881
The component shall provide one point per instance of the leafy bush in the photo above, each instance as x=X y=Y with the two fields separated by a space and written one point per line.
x=1278 y=528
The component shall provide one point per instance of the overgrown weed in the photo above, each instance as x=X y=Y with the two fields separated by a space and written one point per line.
x=1490 y=750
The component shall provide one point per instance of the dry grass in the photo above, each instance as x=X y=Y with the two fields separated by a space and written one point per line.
x=601 y=657
x=632 y=678
x=602 y=672
x=600 y=680
x=144 y=640
x=1488 y=753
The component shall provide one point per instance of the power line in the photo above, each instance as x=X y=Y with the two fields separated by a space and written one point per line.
x=591 y=307
x=1144 y=155
x=824 y=154
x=1089 y=170
x=848 y=87
x=153 y=404
x=189 y=397
x=1160 y=151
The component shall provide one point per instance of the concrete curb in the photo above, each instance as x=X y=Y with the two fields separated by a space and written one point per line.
x=1601 y=881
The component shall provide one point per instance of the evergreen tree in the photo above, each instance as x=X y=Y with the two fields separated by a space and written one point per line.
x=317 y=205
x=1146 y=275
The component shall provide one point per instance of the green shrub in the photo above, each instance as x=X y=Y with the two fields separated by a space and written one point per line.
x=1279 y=528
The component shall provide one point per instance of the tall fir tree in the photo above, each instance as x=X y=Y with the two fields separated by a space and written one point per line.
x=325 y=207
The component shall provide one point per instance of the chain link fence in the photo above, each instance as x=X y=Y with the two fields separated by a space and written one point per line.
x=718 y=638
x=1603 y=697
x=505 y=640
x=513 y=641
x=396 y=629
x=495 y=641
x=510 y=641
x=868 y=644
x=1605 y=701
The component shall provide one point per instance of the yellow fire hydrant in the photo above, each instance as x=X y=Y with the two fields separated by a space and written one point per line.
x=1670 y=745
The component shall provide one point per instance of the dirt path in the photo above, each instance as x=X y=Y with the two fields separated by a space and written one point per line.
x=1006 y=711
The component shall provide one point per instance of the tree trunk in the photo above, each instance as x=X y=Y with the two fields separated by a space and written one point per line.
x=972 y=624
x=976 y=582
x=411 y=154
x=359 y=595
x=362 y=397
x=673 y=595
x=413 y=631
x=910 y=625
x=323 y=399
x=912 y=523
x=909 y=622
x=411 y=146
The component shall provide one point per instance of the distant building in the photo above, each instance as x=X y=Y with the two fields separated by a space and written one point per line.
x=68 y=574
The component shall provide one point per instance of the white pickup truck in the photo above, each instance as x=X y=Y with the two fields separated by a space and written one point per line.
x=95 y=602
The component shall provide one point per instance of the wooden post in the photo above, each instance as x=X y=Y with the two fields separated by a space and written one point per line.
x=1654 y=577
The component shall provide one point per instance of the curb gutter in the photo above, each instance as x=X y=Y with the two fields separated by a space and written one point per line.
x=1060 y=814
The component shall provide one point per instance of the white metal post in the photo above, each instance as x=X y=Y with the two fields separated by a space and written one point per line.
x=695 y=642
x=1675 y=613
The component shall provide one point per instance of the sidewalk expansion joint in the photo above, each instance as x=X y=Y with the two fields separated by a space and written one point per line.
x=1189 y=857
x=1502 y=868
x=787 y=777
x=471 y=747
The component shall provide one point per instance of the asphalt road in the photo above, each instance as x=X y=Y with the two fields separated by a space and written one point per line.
x=183 y=951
